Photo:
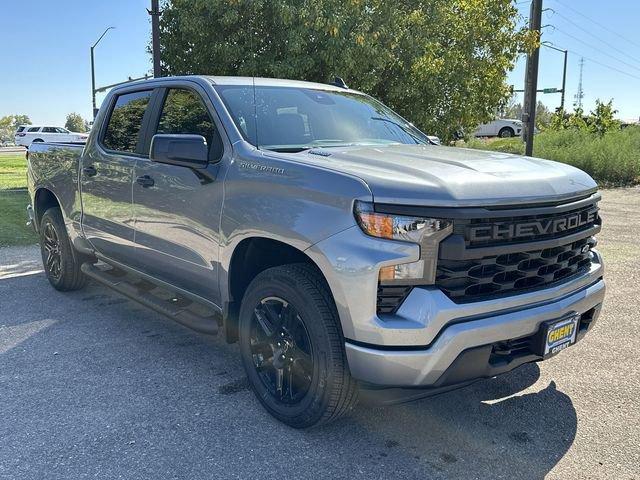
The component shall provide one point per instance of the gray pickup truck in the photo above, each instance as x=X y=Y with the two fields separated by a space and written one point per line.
x=349 y=256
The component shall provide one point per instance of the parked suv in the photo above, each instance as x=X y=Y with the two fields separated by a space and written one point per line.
x=501 y=127
x=347 y=254
x=27 y=134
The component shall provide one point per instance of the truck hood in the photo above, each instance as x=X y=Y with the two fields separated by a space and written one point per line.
x=446 y=176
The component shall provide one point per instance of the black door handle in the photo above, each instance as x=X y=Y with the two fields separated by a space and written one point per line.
x=145 y=181
x=90 y=171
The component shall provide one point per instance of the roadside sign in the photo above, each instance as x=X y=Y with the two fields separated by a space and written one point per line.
x=550 y=90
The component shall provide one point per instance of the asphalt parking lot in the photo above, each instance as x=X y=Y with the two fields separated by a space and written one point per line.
x=94 y=386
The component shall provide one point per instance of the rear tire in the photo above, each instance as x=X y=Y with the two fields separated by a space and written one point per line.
x=61 y=263
x=315 y=387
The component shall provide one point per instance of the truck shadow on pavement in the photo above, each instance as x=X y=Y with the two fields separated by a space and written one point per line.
x=487 y=430
x=103 y=380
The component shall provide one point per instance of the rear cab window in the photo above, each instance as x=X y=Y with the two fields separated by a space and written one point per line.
x=125 y=122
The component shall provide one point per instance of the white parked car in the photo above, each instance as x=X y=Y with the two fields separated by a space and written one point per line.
x=501 y=127
x=27 y=134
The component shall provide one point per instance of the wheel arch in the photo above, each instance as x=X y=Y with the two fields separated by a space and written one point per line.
x=44 y=199
x=251 y=256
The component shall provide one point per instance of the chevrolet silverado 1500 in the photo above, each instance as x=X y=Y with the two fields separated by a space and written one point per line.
x=348 y=255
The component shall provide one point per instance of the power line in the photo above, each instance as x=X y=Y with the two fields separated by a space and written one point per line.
x=573 y=52
x=597 y=23
x=613 y=47
x=597 y=49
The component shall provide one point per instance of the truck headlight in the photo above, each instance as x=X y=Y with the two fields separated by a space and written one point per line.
x=396 y=227
x=426 y=232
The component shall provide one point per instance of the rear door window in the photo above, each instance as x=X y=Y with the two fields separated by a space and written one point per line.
x=185 y=113
x=33 y=129
x=125 y=121
x=49 y=130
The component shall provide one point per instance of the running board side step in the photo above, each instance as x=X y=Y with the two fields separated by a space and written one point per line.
x=184 y=311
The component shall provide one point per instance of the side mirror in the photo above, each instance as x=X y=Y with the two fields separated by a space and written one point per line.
x=181 y=150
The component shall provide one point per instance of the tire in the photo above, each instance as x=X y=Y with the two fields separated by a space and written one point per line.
x=506 y=132
x=61 y=263
x=324 y=388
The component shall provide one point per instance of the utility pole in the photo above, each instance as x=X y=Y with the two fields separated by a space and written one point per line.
x=155 y=36
x=580 y=94
x=93 y=73
x=531 y=80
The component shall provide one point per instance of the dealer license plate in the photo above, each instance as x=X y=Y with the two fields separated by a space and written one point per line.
x=559 y=335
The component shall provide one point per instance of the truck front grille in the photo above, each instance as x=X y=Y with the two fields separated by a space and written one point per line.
x=545 y=226
x=497 y=275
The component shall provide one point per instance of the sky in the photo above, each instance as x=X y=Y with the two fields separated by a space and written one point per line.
x=45 y=64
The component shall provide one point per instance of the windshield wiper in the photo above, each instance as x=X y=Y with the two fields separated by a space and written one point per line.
x=402 y=127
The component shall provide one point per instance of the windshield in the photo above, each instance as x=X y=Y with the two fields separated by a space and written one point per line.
x=292 y=119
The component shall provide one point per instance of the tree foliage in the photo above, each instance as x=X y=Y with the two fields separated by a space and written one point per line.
x=543 y=114
x=440 y=63
x=599 y=121
x=75 y=123
x=9 y=125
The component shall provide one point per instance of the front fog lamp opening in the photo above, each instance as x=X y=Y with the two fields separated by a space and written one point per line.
x=403 y=274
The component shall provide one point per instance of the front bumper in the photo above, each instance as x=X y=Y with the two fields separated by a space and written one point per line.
x=462 y=350
x=415 y=346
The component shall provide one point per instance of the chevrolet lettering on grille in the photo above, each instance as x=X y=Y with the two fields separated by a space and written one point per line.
x=516 y=230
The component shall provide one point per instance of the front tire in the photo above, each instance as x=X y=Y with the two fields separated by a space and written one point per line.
x=61 y=263
x=292 y=347
x=506 y=132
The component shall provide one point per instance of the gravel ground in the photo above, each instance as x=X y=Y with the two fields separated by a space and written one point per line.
x=94 y=386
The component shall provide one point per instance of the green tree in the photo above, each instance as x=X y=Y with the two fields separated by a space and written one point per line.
x=9 y=125
x=441 y=64
x=75 y=123
x=559 y=120
x=543 y=116
x=600 y=120
x=513 y=109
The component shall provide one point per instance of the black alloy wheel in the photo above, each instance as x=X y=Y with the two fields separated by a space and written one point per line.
x=60 y=261
x=53 y=255
x=281 y=350
x=292 y=347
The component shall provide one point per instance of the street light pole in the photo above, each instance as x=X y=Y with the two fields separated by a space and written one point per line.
x=93 y=73
x=564 y=80
x=564 y=70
